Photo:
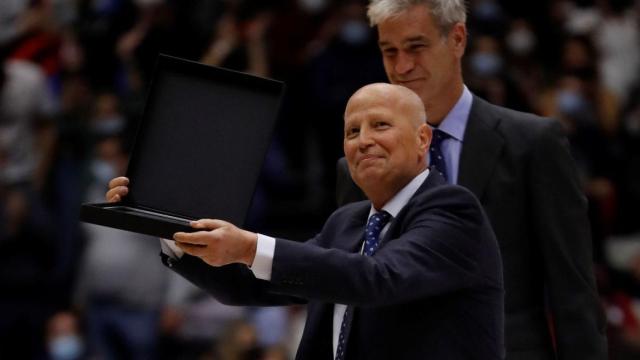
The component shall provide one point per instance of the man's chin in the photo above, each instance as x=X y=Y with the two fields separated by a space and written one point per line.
x=415 y=85
x=369 y=174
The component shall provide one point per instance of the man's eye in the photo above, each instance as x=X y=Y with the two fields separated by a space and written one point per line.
x=389 y=52
x=351 y=133
x=381 y=124
x=416 y=47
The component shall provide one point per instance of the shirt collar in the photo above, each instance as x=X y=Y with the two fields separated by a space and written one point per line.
x=402 y=197
x=456 y=120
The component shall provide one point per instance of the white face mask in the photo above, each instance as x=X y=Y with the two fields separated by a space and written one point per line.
x=312 y=6
x=521 y=42
x=66 y=347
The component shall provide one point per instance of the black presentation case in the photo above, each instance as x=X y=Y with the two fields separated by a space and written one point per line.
x=198 y=151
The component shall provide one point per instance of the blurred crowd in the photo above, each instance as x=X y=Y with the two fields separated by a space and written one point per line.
x=73 y=79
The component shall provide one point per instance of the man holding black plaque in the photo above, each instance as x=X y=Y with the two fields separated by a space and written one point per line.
x=414 y=272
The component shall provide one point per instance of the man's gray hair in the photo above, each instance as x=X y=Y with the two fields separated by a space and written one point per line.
x=446 y=13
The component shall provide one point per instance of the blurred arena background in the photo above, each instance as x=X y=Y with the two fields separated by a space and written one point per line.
x=73 y=79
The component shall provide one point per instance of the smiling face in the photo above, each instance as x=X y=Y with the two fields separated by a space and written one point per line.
x=418 y=56
x=385 y=139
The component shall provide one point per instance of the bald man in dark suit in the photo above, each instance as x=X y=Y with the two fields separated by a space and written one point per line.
x=411 y=273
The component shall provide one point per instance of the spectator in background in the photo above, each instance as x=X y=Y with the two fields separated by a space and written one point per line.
x=523 y=61
x=27 y=135
x=629 y=180
x=26 y=262
x=26 y=247
x=617 y=38
x=579 y=59
x=64 y=338
x=121 y=286
x=590 y=115
x=238 y=342
x=344 y=60
x=193 y=322
x=489 y=76
x=239 y=41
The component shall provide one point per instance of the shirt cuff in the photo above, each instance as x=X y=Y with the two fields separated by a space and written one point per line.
x=262 y=263
x=170 y=249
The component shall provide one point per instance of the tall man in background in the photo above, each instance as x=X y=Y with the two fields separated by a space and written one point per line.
x=520 y=168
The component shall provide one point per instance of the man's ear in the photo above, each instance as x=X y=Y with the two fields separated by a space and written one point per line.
x=424 y=137
x=458 y=38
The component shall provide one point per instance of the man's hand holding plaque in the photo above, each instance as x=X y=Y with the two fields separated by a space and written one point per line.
x=217 y=242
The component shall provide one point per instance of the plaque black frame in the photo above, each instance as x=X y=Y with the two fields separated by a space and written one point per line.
x=198 y=150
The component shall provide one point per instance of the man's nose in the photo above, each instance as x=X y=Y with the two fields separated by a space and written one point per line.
x=404 y=63
x=365 y=140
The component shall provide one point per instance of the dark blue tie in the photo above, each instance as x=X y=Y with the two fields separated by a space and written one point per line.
x=375 y=225
x=436 y=155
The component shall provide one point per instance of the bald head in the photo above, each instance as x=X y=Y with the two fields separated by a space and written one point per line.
x=391 y=96
x=385 y=139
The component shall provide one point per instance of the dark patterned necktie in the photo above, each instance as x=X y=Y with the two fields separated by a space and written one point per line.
x=375 y=225
x=436 y=155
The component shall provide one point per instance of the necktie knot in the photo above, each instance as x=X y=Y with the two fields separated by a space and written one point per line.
x=439 y=136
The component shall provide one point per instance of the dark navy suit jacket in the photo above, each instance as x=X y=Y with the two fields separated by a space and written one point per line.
x=432 y=290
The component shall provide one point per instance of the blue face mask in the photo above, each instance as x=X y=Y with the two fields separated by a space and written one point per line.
x=571 y=103
x=486 y=64
x=102 y=171
x=111 y=125
x=488 y=11
x=68 y=347
x=354 y=32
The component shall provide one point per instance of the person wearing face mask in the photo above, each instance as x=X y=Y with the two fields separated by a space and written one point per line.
x=64 y=340
x=521 y=40
x=520 y=168
x=344 y=61
x=27 y=245
x=121 y=287
x=524 y=61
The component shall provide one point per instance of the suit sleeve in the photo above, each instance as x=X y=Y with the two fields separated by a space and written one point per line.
x=560 y=210
x=442 y=248
x=232 y=284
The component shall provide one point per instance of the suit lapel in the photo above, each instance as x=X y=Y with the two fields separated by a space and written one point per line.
x=434 y=179
x=481 y=148
x=352 y=237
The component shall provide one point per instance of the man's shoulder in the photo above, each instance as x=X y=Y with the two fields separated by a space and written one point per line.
x=435 y=195
x=351 y=209
x=513 y=125
x=442 y=195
